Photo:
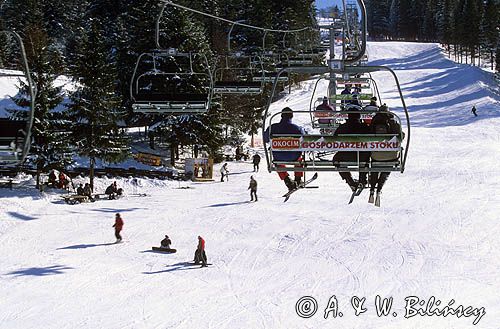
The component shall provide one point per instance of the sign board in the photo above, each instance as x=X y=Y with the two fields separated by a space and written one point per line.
x=149 y=159
x=335 y=143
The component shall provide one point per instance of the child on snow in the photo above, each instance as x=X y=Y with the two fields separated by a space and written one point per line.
x=118 y=227
x=224 y=172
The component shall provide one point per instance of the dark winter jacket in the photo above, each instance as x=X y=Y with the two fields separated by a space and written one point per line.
x=284 y=127
x=384 y=123
x=80 y=190
x=256 y=159
x=352 y=126
x=201 y=244
x=253 y=185
x=166 y=243
x=110 y=189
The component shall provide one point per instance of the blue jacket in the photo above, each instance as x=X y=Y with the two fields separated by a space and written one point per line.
x=285 y=126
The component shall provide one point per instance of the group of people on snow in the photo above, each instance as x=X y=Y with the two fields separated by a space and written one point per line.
x=382 y=122
x=113 y=191
x=62 y=183
x=85 y=191
x=199 y=255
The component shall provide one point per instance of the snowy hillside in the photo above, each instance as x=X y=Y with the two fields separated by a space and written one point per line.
x=436 y=233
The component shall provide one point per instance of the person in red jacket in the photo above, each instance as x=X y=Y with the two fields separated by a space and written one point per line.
x=118 y=227
x=199 y=254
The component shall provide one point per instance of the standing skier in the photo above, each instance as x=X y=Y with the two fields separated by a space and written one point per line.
x=224 y=172
x=199 y=254
x=474 y=110
x=256 y=161
x=253 y=188
x=118 y=227
x=285 y=126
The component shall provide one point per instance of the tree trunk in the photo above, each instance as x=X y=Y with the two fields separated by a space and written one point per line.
x=492 y=60
x=91 y=172
x=252 y=142
x=172 y=154
x=38 y=185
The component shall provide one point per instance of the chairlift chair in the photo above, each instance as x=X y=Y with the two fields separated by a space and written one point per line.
x=319 y=148
x=236 y=74
x=168 y=81
x=15 y=135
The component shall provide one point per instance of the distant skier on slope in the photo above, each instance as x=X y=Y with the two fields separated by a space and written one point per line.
x=199 y=254
x=224 y=172
x=118 y=227
x=474 y=110
x=285 y=126
x=256 y=161
x=253 y=189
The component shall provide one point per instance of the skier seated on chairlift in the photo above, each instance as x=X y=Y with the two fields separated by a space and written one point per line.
x=346 y=91
x=353 y=125
x=372 y=106
x=355 y=101
x=382 y=123
x=325 y=107
x=284 y=127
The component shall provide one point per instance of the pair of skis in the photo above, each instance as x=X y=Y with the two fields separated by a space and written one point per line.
x=301 y=186
x=371 y=199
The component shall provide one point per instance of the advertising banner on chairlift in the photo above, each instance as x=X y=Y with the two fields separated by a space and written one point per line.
x=326 y=143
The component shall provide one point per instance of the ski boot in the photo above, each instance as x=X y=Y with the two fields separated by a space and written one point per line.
x=372 y=196
x=353 y=184
x=289 y=183
x=377 y=199
x=298 y=181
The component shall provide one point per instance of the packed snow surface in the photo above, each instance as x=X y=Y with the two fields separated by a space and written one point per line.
x=436 y=233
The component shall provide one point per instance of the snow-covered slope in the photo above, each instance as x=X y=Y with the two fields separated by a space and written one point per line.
x=436 y=233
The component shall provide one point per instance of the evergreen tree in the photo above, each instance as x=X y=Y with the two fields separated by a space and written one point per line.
x=444 y=21
x=95 y=108
x=489 y=24
x=395 y=19
x=429 y=26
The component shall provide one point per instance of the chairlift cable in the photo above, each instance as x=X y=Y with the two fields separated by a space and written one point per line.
x=235 y=22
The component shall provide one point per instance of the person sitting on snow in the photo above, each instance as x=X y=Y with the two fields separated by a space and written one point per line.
x=165 y=243
x=79 y=190
x=112 y=190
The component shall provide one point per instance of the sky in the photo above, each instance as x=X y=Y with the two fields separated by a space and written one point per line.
x=327 y=3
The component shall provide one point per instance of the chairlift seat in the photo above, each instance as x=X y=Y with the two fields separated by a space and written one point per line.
x=237 y=87
x=162 y=98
